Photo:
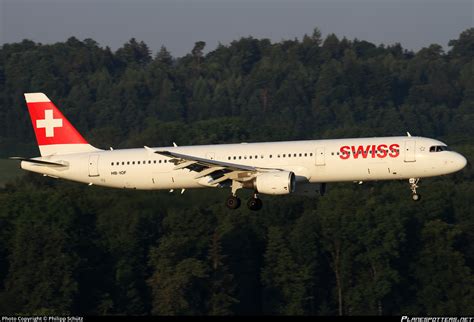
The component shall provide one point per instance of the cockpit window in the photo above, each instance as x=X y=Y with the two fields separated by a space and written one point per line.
x=438 y=148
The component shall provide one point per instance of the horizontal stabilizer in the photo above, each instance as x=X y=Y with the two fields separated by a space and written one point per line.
x=40 y=162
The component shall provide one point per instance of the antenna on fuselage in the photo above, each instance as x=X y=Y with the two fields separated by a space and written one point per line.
x=408 y=133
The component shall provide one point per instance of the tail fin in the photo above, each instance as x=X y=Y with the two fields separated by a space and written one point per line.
x=54 y=133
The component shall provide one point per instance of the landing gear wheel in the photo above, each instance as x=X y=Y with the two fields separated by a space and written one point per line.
x=232 y=202
x=255 y=204
x=413 y=185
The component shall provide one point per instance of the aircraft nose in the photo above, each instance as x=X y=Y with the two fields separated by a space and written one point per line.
x=458 y=161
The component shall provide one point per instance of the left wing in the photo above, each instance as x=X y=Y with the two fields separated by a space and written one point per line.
x=218 y=171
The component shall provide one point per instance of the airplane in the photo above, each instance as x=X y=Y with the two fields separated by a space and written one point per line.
x=273 y=168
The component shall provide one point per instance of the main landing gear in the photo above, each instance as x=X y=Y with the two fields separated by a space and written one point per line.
x=233 y=202
x=254 y=203
x=413 y=185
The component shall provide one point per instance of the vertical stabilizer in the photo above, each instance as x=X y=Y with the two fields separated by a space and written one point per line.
x=54 y=133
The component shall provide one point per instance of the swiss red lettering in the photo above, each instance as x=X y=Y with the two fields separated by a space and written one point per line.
x=344 y=152
x=394 y=150
x=381 y=151
x=360 y=150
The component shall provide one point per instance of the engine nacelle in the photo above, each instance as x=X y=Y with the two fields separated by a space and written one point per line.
x=275 y=183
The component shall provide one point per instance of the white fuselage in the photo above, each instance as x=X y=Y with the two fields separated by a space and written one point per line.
x=312 y=161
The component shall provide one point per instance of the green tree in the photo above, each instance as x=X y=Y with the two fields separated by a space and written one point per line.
x=445 y=285
x=43 y=260
x=222 y=286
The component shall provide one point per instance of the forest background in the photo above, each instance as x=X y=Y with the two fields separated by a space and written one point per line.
x=66 y=248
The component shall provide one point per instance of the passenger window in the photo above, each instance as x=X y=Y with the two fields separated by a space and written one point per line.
x=128 y=162
x=123 y=163
x=112 y=163
x=138 y=162
x=311 y=154
x=300 y=155
x=270 y=156
x=154 y=161
x=250 y=157
x=306 y=154
x=159 y=161
x=284 y=155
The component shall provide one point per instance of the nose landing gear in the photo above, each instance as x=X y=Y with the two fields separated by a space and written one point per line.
x=413 y=185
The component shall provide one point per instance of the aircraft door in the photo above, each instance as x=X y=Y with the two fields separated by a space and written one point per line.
x=320 y=156
x=410 y=151
x=94 y=165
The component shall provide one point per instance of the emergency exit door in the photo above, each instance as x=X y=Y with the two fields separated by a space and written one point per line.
x=320 y=156
x=410 y=151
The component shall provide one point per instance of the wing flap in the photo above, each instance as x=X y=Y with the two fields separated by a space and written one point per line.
x=183 y=165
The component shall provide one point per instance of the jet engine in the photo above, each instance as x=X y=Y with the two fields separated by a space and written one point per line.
x=274 y=183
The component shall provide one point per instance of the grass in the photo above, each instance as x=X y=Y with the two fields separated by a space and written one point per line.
x=9 y=170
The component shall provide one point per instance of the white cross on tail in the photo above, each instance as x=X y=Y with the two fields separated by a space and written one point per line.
x=49 y=123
